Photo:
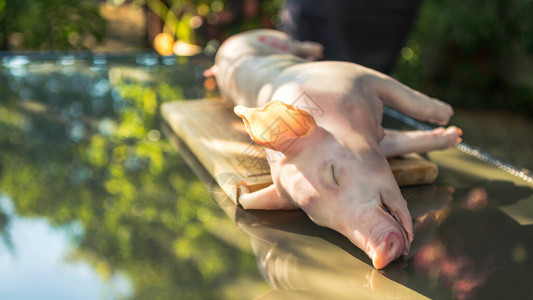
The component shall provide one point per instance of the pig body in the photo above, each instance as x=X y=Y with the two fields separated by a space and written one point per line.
x=320 y=123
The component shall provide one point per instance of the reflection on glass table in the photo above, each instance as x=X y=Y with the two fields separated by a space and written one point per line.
x=94 y=198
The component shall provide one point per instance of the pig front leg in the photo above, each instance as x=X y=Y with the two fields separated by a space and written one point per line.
x=267 y=198
x=402 y=142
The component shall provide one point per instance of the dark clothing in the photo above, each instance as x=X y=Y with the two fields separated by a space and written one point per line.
x=367 y=32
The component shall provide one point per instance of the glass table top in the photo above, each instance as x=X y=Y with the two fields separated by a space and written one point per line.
x=97 y=201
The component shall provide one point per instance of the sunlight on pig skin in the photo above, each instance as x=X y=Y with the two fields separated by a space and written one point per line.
x=320 y=125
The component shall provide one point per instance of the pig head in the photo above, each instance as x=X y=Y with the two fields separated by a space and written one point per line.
x=352 y=192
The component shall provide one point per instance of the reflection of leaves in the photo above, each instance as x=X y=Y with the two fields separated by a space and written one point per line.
x=4 y=223
x=143 y=212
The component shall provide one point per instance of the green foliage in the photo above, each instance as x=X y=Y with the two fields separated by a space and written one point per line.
x=472 y=53
x=50 y=24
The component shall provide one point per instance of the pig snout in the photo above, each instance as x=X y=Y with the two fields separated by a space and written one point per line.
x=379 y=232
x=391 y=246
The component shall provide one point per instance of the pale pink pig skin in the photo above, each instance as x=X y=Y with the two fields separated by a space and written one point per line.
x=338 y=172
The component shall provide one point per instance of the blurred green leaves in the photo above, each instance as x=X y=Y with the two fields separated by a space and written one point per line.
x=472 y=53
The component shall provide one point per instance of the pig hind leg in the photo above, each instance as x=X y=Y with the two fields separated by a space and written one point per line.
x=411 y=102
x=275 y=42
x=402 y=142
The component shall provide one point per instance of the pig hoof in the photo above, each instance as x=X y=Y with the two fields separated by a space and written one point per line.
x=447 y=137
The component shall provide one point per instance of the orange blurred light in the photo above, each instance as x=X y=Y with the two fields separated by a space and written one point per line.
x=164 y=43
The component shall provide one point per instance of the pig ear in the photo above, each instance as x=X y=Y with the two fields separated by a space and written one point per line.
x=276 y=125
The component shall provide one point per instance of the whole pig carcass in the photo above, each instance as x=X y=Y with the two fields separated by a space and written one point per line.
x=320 y=123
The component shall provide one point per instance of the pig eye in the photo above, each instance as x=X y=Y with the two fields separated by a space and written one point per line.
x=334 y=176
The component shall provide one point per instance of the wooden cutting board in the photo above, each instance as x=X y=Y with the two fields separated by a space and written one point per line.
x=218 y=138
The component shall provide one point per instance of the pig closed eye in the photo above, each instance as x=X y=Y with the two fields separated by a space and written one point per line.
x=334 y=176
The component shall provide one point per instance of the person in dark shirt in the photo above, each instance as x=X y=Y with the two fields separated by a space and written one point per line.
x=368 y=32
